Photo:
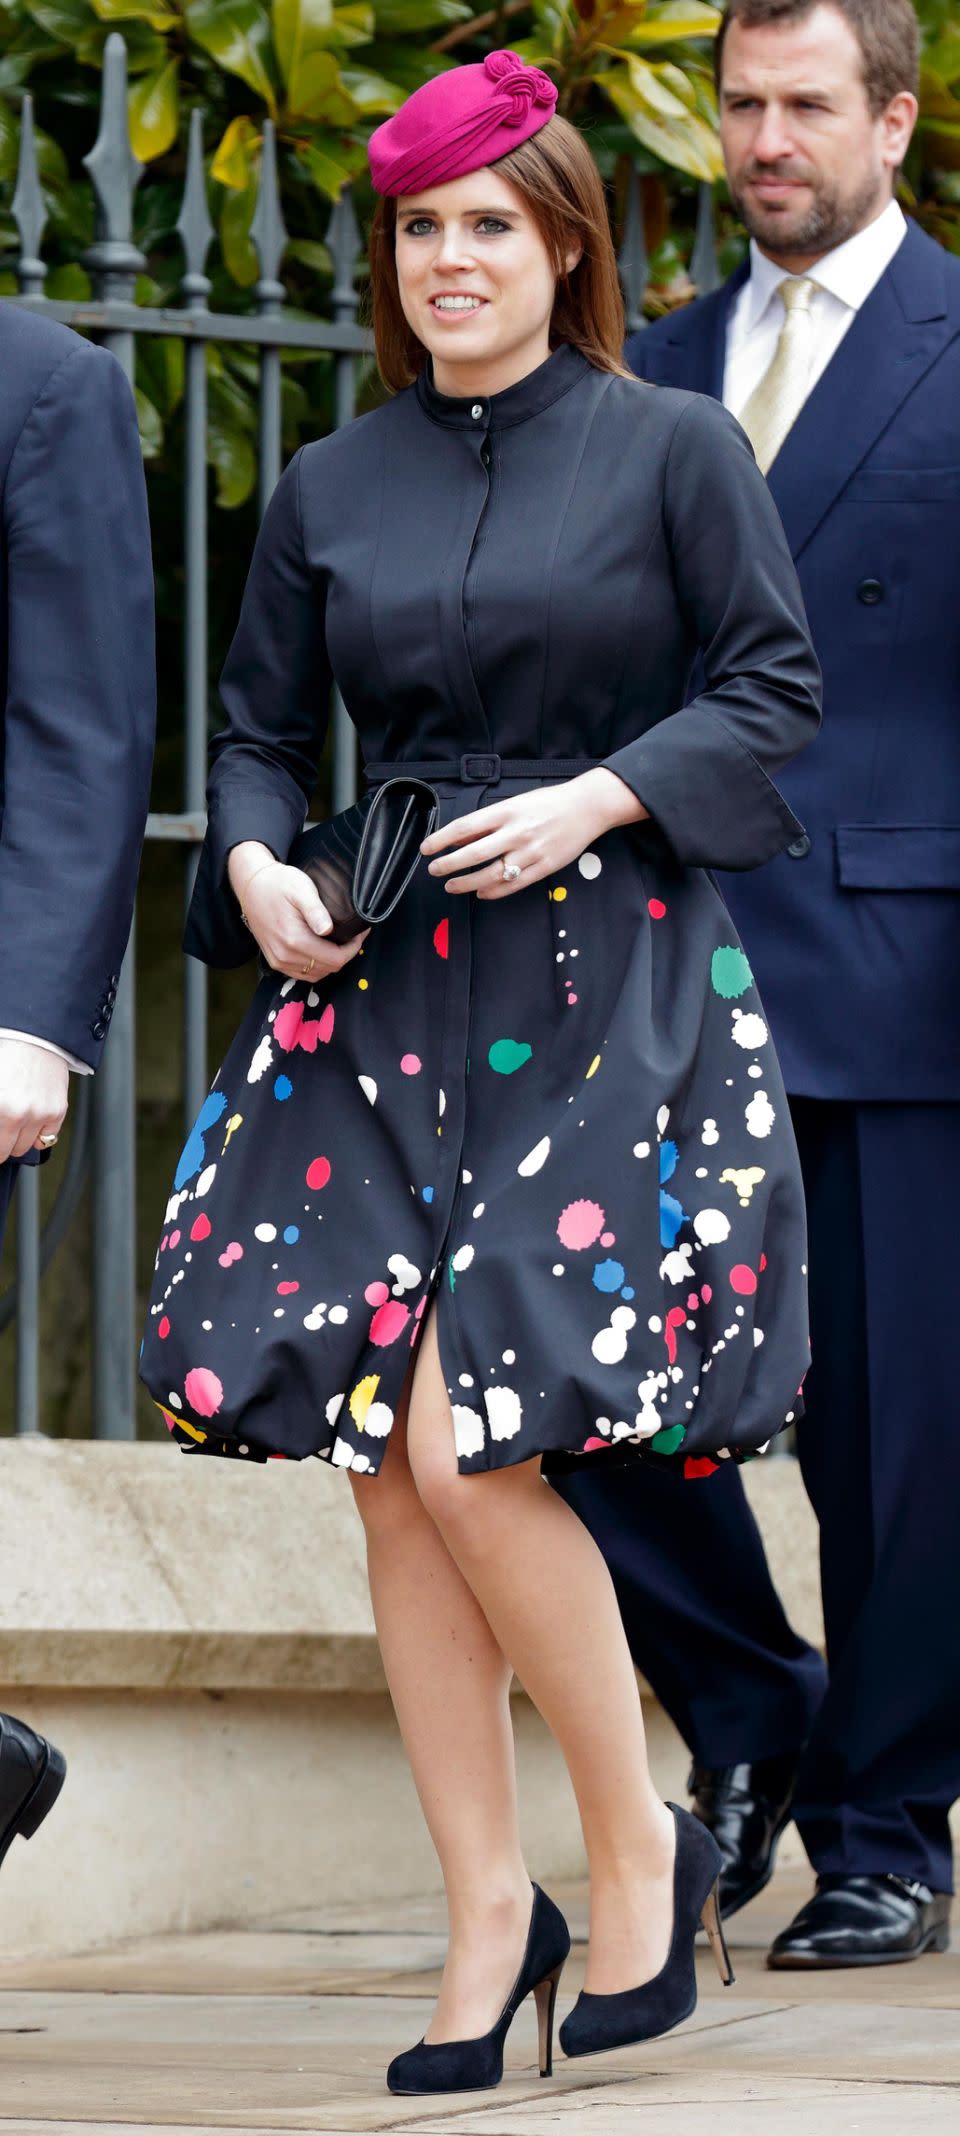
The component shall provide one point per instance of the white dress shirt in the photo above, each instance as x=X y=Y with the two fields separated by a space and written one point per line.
x=47 y=1045
x=844 y=278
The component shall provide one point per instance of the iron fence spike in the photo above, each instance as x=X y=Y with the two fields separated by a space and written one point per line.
x=115 y=173
x=267 y=229
x=29 y=208
x=194 y=225
x=704 y=266
x=344 y=245
x=634 y=262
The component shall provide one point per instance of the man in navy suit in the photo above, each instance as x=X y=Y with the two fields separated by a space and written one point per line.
x=76 y=746
x=838 y=348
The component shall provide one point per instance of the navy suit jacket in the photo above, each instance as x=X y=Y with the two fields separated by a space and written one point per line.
x=855 y=939
x=77 y=661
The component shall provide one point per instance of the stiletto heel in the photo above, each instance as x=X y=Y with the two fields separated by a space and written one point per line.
x=711 y=1920
x=477 y=2065
x=545 y=1994
x=597 y=2022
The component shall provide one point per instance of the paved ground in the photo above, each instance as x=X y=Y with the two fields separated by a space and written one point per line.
x=289 y=2025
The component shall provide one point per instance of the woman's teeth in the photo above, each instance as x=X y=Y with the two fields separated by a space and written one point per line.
x=457 y=303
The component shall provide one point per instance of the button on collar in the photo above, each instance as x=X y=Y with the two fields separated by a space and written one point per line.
x=477 y=411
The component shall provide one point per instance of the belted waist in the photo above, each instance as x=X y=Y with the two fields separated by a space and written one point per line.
x=479 y=768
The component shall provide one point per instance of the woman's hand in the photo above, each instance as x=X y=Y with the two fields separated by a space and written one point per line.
x=286 y=916
x=538 y=832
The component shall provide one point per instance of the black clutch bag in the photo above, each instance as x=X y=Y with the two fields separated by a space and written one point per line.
x=362 y=859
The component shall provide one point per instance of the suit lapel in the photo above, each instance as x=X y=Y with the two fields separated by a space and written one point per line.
x=897 y=334
x=693 y=353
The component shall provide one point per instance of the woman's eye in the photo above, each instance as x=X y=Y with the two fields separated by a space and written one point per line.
x=418 y=226
x=491 y=224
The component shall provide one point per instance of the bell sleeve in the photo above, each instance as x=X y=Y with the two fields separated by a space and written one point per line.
x=275 y=687
x=704 y=772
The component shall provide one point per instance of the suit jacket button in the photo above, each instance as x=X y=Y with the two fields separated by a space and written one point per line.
x=99 y=1029
x=870 y=591
x=800 y=848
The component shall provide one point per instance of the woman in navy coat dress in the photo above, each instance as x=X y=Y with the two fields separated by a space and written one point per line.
x=510 y=1176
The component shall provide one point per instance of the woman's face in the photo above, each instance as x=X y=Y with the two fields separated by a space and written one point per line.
x=476 y=282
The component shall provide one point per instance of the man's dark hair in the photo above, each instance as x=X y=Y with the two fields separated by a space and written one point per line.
x=886 y=31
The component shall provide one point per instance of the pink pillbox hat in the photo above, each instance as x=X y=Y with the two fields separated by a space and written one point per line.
x=460 y=121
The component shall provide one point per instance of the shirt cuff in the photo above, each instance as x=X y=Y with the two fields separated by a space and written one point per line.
x=46 y=1045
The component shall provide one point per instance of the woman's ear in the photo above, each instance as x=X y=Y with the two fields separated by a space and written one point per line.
x=572 y=259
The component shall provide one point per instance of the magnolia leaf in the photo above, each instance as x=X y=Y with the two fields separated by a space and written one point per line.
x=236 y=216
x=154 y=108
x=233 y=160
x=354 y=25
x=398 y=18
x=371 y=93
x=231 y=455
x=655 y=90
x=69 y=284
x=671 y=24
x=236 y=33
x=149 y=424
x=299 y=27
x=311 y=253
x=155 y=12
x=316 y=91
x=684 y=142
x=329 y=176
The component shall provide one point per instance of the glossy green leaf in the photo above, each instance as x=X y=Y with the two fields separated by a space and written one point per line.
x=155 y=12
x=149 y=424
x=673 y=23
x=236 y=33
x=662 y=89
x=328 y=175
x=154 y=108
x=311 y=253
x=315 y=90
x=401 y=18
x=371 y=93
x=232 y=456
x=299 y=27
x=684 y=142
x=69 y=284
x=236 y=216
x=234 y=157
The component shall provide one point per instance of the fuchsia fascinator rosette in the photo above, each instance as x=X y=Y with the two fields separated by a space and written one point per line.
x=460 y=121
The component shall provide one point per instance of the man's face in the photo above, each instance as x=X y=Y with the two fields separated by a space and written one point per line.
x=807 y=163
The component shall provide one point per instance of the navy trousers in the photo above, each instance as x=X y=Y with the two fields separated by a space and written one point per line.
x=879 y=1448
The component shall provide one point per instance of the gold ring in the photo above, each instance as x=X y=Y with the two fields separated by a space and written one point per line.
x=306 y=969
x=47 y=1141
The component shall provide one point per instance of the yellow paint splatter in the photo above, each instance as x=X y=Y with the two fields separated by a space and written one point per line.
x=558 y=894
x=363 y=985
x=182 y=1425
x=235 y=1121
x=594 y=1065
x=744 y=1181
x=361 y=1398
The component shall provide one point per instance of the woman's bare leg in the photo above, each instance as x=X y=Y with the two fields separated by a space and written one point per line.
x=547 y=1597
x=450 y=1688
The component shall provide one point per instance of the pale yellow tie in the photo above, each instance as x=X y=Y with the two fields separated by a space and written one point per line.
x=775 y=403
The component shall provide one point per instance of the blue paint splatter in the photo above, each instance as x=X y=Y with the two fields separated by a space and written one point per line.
x=283 y=1088
x=672 y=1215
x=628 y=1291
x=428 y=1194
x=291 y=1234
x=669 y=1159
x=194 y=1150
x=609 y=1275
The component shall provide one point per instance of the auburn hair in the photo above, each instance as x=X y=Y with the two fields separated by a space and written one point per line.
x=559 y=183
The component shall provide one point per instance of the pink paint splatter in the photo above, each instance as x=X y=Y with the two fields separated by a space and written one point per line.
x=608 y=1238
x=656 y=908
x=590 y=1445
x=203 y=1390
x=174 y=1239
x=743 y=1280
x=164 y=1328
x=674 y=1320
x=388 y=1322
x=418 y=1316
x=706 y=1292
x=580 y=1224
x=763 y=1262
x=318 y=1172
x=231 y=1253
x=377 y=1293
x=201 y=1228
x=571 y=998
x=286 y=1290
x=411 y=1063
x=441 y=938
x=292 y=1029
x=692 y=1302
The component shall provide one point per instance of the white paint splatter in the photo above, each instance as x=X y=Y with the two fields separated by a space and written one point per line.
x=378 y=1420
x=759 y=1115
x=749 y=1031
x=468 y=1430
x=534 y=1158
x=369 y=1087
x=504 y=1411
x=711 y=1227
x=261 y=1059
x=710 y=1132
x=405 y=1275
x=338 y=1314
x=314 y=1320
x=266 y=1233
x=590 y=866
x=462 y=1258
x=677 y=1267
x=641 y=1149
x=609 y=1345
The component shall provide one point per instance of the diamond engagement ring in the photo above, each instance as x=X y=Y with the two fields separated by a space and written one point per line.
x=511 y=871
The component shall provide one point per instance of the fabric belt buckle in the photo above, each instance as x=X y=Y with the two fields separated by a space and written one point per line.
x=479 y=770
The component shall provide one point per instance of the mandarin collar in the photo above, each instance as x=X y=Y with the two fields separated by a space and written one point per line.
x=530 y=396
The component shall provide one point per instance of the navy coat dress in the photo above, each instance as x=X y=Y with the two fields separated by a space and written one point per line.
x=560 y=1112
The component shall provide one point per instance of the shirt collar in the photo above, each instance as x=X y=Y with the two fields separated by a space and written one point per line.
x=848 y=273
x=530 y=395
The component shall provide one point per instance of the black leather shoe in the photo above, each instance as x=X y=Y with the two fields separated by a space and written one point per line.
x=746 y=1807
x=864 y=1920
x=32 y=1772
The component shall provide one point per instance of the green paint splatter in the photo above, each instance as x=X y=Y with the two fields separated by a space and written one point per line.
x=451 y=1275
x=668 y=1441
x=506 y=1055
x=730 y=973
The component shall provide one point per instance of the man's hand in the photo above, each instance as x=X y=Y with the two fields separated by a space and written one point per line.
x=34 y=1090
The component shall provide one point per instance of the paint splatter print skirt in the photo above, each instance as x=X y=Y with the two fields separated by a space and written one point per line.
x=561 y=1114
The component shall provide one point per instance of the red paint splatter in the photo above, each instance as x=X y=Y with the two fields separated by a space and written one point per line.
x=286 y=1290
x=743 y=1280
x=204 y=1391
x=693 y=1467
x=763 y=1262
x=201 y=1228
x=388 y=1322
x=441 y=938
x=164 y=1328
x=675 y=1319
x=656 y=909
x=291 y=1029
x=318 y=1172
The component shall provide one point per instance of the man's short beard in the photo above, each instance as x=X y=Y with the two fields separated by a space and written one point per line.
x=829 y=222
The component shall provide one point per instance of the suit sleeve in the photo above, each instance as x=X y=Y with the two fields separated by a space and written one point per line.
x=704 y=772
x=80 y=703
x=276 y=690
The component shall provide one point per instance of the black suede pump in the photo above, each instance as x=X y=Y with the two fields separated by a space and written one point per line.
x=598 y=2022
x=477 y=2065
